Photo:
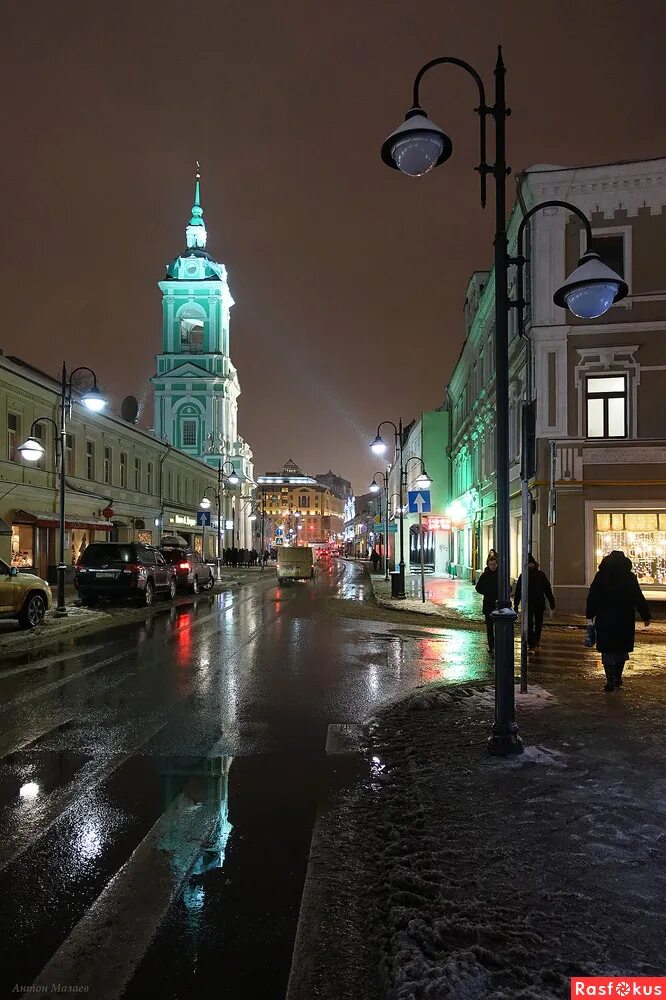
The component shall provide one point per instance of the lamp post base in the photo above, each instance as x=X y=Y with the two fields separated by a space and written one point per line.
x=505 y=744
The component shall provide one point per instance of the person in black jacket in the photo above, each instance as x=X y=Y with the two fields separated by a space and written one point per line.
x=539 y=591
x=613 y=598
x=487 y=585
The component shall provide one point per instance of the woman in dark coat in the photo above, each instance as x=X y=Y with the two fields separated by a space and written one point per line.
x=487 y=585
x=613 y=599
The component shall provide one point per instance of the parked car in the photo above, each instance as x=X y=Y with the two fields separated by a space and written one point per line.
x=123 y=570
x=294 y=563
x=23 y=596
x=192 y=573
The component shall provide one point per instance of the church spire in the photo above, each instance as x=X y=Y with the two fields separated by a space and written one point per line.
x=195 y=234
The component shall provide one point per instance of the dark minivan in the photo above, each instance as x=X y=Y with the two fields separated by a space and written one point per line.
x=192 y=573
x=119 y=570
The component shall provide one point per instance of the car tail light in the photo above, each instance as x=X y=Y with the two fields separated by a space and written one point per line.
x=183 y=566
x=80 y=568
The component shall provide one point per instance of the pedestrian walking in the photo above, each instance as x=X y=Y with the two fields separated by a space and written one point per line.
x=374 y=559
x=539 y=591
x=487 y=586
x=614 y=597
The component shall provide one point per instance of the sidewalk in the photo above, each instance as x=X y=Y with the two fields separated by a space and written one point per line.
x=465 y=876
x=457 y=601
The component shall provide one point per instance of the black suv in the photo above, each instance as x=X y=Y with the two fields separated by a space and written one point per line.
x=192 y=573
x=115 y=569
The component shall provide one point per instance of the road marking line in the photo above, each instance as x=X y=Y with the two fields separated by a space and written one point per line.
x=103 y=951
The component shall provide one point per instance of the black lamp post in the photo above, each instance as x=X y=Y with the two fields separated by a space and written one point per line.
x=415 y=147
x=375 y=488
x=32 y=450
x=379 y=447
x=232 y=479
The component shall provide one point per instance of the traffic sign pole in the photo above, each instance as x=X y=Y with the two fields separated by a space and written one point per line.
x=422 y=558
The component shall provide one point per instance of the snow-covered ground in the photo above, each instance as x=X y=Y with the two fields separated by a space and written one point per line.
x=499 y=879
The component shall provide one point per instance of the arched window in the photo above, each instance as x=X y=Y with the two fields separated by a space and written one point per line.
x=191 y=325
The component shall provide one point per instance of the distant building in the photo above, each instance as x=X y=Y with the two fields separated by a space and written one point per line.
x=360 y=527
x=303 y=510
x=338 y=486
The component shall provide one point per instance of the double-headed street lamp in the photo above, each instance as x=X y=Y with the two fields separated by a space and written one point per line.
x=375 y=487
x=233 y=480
x=33 y=450
x=378 y=446
x=414 y=148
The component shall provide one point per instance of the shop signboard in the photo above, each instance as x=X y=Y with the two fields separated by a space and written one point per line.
x=437 y=523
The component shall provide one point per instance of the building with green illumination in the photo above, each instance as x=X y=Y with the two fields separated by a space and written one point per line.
x=196 y=385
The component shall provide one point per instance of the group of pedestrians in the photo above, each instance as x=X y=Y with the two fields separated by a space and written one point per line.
x=244 y=557
x=612 y=602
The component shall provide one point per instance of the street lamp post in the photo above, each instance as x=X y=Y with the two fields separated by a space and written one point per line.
x=414 y=148
x=32 y=450
x=422 y=481
x=379 y=447
x=375 y=488
x=232 y=479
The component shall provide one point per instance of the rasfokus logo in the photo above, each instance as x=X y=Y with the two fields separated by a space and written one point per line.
x=618 y=986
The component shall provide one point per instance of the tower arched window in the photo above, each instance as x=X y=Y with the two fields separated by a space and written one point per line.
x=191 y=325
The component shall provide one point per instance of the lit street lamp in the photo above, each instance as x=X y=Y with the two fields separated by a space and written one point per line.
x=414 y=148
x=32 y=450
x=375 y=488
x=204 y=503
x=378 y=446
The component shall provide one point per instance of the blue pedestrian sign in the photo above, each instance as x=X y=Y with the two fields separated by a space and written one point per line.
x=419 y=501
x=203 y=518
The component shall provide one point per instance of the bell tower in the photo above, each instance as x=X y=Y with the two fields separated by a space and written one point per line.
x=196 y=385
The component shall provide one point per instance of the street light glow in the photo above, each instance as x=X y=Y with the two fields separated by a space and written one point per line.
x=591 y=289
x=233 y=479
x=374 y=487
x=31 y=450
x=93 y=400
x=204 y=503
x=378 y=445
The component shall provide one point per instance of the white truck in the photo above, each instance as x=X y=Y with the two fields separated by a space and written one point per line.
x=294 y=563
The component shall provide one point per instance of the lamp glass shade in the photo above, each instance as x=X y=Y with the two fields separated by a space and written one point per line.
x=418 y=152
x=253 y=517
x=374 y=487
x=422 y=482
x=204 y=503
x=378 y=446
x=31 y=450
x=93 y=400
x=590 y=301
x=233 y=479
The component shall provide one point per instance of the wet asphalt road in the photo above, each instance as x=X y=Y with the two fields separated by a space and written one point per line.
x=159 y=783
x=159 y=780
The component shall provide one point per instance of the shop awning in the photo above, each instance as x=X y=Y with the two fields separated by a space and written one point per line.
x=50 y=520
x=5 y=529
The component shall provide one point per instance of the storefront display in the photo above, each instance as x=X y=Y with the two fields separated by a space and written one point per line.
x=145 y=537
x=641 y=535
x=23 y=546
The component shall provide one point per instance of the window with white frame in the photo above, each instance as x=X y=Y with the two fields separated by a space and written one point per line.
x=189 y=432
x=606 y=406
x=108 y=465
x=123 y=470
x=13 y=434
x=137 y=474
x=90 y=459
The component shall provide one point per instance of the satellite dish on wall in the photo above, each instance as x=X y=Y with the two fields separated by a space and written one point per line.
x=129 y=409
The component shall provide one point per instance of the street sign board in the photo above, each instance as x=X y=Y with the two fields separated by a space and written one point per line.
x=381 y=528
x=203 y=518
x=419 y=501
x=279 y=530
x=377 y=519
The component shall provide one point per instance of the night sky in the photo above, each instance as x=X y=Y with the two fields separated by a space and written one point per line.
x=348 y=277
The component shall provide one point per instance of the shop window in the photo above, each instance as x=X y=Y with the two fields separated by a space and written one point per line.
x=137 y=474
x=90 y=459
x=145 y=537
x=23 y=536
x=606 y=406
x=641 y=535
x=70 y=454
x=108 y=466
x=13 y=434
x=188 y=428
x=123 y=470
x=149 y=477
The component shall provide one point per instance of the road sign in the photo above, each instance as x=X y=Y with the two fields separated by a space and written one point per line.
x=382 y=529
x=203 y=518
x=419 y=501
x=279 y=531
x=278 y=540
x=377 y=519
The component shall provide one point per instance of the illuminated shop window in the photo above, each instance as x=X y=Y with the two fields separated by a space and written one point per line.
x=641 y=535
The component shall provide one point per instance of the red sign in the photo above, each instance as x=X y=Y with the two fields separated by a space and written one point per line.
x=108 y=513
x=437 y=523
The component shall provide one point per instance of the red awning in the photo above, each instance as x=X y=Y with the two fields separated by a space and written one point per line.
x=50 y=520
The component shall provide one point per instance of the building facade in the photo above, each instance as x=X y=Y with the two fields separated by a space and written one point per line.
x=303 y=511
x=338 y=486
x=121 y=483
x=599 y=387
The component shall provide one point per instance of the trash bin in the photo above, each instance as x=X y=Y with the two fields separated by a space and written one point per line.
x=395 y=584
